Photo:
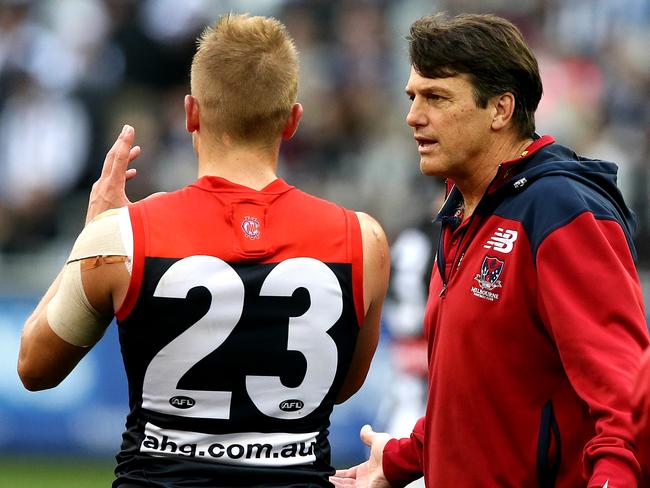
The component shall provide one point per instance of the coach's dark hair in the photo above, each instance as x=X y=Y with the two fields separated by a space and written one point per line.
x=487 y=48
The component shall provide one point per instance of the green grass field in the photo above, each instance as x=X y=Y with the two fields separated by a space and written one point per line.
x=40 y=472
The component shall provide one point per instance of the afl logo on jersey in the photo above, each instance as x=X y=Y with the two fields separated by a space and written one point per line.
x=251 y=227
x=182 y=402
x=291 y=405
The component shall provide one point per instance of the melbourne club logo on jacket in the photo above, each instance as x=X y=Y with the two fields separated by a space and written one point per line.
x=488 y=279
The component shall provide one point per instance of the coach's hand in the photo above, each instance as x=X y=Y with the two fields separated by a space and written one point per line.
x=109 y=190
x=369 y=474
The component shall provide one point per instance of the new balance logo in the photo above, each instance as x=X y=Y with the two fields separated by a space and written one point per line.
x=502 y=240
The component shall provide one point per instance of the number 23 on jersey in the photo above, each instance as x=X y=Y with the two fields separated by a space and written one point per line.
x=307 y=334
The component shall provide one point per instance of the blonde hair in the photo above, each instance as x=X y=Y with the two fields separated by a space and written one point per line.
x=245 y=77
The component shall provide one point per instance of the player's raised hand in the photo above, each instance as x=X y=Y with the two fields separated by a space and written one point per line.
x=109 y=190
x=369 y=474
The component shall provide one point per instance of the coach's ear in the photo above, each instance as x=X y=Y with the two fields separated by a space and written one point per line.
x=503 y=109
x=192 y=114
x=291 y=126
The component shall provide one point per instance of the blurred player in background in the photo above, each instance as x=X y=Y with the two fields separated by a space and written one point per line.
x=412 y=256
x=535 y=318
x=246 y=308
x=403 y=312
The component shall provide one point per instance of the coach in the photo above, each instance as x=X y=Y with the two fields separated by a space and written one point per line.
x=535 y=319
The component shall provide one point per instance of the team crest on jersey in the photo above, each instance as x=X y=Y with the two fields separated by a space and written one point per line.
x=488 y=279
x=251 y=227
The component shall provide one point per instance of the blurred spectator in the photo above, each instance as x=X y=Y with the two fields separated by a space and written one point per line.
x=85 y=67
x=43 y=144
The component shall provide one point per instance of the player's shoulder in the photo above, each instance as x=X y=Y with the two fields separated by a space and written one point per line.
x=373 y=236
x=161 y=199
x=369 y=224
x=315 y=212
x=310 y=200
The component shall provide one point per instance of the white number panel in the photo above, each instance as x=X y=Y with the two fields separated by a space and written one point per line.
x=307 y=334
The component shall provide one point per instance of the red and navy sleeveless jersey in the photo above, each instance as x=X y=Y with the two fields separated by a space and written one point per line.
x=237 y=332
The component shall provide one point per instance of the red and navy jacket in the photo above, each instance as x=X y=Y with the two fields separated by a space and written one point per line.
x=535 y=326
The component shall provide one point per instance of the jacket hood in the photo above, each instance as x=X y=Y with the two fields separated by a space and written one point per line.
x=553 y=160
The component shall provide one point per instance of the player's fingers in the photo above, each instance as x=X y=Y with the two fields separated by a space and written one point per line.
x=130 y=174
x=367 y=435
x=122 y=152
x=134 y=153
x=110 y=156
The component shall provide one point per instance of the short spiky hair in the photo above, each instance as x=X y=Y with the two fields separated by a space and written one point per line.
x=487 y=48
x=245 y=77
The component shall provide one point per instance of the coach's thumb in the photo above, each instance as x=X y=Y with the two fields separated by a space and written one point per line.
x=367 y=435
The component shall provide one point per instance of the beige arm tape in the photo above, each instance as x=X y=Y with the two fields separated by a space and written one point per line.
x=69 y=313
x=103 y=237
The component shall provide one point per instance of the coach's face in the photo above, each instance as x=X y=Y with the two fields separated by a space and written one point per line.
x=451 y=132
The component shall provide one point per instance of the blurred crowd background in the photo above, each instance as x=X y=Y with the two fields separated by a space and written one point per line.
x=72 y=72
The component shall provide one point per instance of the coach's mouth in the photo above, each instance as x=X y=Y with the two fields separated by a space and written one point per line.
x=425 y=144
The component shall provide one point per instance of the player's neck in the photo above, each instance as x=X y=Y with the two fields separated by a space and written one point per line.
x=251 y=167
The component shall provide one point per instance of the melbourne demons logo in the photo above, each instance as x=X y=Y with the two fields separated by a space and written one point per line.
x=488 y=279
x=251 y=227
x=491 y=269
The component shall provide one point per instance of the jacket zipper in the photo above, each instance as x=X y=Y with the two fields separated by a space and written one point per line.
x=455 y=265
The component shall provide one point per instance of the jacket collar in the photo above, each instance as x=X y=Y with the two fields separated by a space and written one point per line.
x=507 y=168
x=451 y=210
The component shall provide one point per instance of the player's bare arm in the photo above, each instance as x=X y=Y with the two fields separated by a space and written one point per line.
x=47 y=357
x=376 y=270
